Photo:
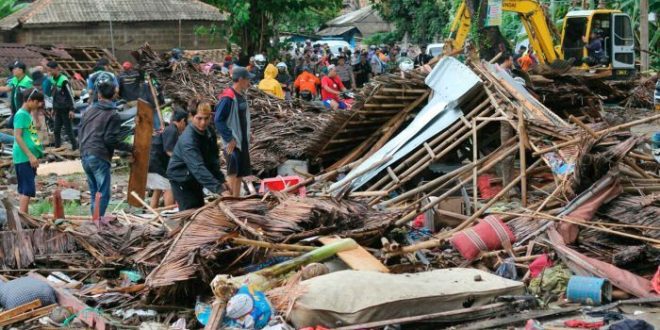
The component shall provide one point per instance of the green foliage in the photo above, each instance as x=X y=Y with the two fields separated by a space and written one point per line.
x=212 y=32
x=8 y=7
x=423 y=20
x=381 y=38
x=309 y=20
x=45 y=206
x=253 y=22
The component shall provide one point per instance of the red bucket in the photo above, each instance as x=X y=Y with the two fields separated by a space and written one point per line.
x=487 y=235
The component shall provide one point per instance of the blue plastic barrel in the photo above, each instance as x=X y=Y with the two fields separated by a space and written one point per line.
x=589 y=290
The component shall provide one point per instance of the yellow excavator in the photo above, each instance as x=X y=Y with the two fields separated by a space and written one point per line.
x=613 y=27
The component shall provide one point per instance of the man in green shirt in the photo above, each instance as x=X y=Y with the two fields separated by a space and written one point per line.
x=17 y=85
x=27 y=147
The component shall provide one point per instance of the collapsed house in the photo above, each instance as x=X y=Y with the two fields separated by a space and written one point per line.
x=451 y=173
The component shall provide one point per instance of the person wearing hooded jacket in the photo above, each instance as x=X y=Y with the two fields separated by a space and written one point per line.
x=269 y=84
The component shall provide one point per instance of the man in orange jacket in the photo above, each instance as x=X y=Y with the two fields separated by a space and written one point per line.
x=306 y=84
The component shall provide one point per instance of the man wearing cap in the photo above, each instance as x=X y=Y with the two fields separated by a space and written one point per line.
x=100 y=135
x=345 y=72
x=232 y=120
x=18 y=84
x=62 y=104
x=331 y=88
x=129 y=82
x=195 y=162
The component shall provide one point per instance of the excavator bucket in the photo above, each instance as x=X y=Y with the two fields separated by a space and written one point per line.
x=558 y=66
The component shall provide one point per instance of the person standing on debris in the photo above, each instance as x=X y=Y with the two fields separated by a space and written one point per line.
x=162 y=148
x=306 y=84
x=345 y=72
x=101 y=68
x=27 y=147
x=17 y=85
x=331 y=89
x=269 y=84
x=129 y=82
x=62 y=94
x=232 y=120
x=362 y=71
x=195 y=162
x=100 y=135
x=377 y=65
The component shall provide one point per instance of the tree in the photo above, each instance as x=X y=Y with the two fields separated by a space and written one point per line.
x=253 y=23
x=423 y=20
x=8 y=7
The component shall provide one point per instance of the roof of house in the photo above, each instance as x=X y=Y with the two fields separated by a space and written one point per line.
x=362 y=15
x=366 y=20
x=49 y=12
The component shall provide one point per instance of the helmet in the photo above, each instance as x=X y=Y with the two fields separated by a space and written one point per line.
x=260 y=61
x=105 y=84
x=281 y=65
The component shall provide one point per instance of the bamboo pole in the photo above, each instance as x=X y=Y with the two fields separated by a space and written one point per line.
x=148 y=207
x=523 y=157
x=438 y=239
x=475 y=168
x=273 y=246
x=155 y=97
x=599 y=133
x=627 y=160
x=546 y=216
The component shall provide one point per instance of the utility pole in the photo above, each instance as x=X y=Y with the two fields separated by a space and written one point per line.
x=644 y=35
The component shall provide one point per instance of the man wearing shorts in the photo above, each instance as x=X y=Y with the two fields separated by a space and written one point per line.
x=162 y=147
x=331 y=88
x=232 y=120
x=27 y=148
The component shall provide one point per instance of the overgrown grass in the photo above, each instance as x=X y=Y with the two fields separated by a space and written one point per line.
x=44 y=206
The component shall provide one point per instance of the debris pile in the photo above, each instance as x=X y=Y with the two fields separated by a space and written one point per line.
x=450 y=194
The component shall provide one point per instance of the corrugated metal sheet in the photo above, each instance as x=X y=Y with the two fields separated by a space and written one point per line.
x=43 y=12
x=450 y=80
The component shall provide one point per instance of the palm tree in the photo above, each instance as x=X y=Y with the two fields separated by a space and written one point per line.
x=8 y=7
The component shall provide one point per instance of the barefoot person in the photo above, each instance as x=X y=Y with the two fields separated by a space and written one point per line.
x=27 y=147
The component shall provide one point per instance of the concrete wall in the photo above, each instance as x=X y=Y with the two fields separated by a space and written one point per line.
x=127 y=36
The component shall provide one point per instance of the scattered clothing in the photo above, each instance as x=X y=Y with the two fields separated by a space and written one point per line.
x=584 y=324
x=632 y=325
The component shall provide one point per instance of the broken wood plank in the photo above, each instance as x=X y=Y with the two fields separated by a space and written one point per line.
x=28 y=315
x=5 y=315
x=144 y=123
x=517 y=318
x=358 y=258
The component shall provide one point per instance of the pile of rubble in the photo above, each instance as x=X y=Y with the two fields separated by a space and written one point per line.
x=450 y=195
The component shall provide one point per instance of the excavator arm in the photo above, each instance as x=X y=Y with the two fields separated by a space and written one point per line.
x=533 y=19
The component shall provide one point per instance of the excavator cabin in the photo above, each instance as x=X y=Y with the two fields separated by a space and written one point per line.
x=612 y=27
x=615 y=31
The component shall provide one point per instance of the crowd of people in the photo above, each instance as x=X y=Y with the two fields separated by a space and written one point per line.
x=315 y=72
x=185 y=156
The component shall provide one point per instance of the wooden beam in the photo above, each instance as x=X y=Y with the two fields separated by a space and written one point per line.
x=144 y=128
x=358 y=258
x=5 y=315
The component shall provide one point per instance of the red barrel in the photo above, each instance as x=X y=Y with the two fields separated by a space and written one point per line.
x=487 y=235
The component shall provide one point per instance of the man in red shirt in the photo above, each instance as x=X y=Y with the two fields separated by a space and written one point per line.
x=331 y=88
